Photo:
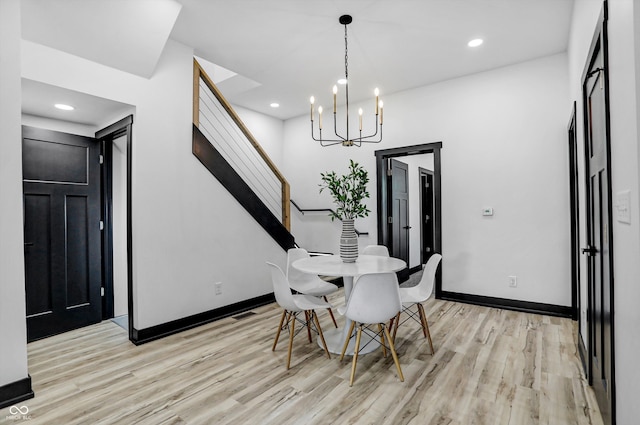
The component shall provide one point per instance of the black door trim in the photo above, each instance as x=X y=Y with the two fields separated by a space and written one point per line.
x=115 y=130
x=382 y=208
x=574 y=207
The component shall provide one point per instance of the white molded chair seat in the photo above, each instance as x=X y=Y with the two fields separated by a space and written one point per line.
x=305 y=283
x=374 y=301
x=292 y=305
x=416 y=295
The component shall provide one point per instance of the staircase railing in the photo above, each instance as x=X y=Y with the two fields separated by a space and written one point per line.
x=314 y=210
x=216 y=120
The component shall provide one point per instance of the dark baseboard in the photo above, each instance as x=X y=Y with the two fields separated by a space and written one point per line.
x=142 y=336
x=504 y=303
x=15 y=392
x=415 y=269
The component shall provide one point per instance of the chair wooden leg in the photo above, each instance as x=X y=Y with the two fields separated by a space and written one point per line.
x=395 y=328
x=331 y=313
x=346 y=342
x=421 y=315
x=425 y=326
x=355 y=355
x=284 y=314
x=307 y=320
x=324 y=343
x=394 y=354
x=381 y=333
x=292 y=325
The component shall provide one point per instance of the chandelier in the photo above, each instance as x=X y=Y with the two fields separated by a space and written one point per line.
x=345 y=139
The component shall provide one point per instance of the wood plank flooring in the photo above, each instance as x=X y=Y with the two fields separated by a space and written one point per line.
x=491 y=366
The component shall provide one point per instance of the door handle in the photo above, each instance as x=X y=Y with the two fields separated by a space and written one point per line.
x=28 y=244
x=590 y=250
x=407 y=227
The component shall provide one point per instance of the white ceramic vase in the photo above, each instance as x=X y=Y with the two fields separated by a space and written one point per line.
x=348 y=242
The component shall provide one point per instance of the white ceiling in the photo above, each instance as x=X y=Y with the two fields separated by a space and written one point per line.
x=287 y=50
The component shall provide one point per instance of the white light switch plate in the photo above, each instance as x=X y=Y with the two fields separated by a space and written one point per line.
x=623 y=202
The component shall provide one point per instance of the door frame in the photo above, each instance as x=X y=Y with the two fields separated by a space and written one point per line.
x=382 y=201
x=105 y=137
x=600 y=43
x=574 y=208
x=427 y=174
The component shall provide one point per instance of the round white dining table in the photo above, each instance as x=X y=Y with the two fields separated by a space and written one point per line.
x=332 y=265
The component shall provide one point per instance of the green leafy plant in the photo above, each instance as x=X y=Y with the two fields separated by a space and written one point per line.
x=348 y=191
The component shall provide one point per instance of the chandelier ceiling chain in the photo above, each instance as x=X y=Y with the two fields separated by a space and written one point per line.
x=346 y=140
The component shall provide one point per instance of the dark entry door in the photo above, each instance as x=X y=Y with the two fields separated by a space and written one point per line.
x=61 y=183
x=426 y=215
x=599 y=249
x=399 y=226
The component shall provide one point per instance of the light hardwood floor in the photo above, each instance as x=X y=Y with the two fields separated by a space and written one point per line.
x=491 y=366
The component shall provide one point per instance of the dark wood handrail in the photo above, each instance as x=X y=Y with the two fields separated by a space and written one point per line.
x=304 y=210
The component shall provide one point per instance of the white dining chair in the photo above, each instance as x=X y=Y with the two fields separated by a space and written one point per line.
x=380 y=250
x=373 y=301
x=305 y=283
x=292 y=305
x=416 y=295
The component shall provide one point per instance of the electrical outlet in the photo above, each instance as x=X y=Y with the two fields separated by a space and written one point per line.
x=218 y=286
x=513 y=281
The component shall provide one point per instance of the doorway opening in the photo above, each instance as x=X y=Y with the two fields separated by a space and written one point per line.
x=117 y=271
x=427 y=215
x=389 y=233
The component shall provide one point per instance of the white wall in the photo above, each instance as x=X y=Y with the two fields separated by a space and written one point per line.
x=13 y=331
x=119 y=232
x=504 y=145
x=57 y=125
x=268 y=131
x=624 y=176
x=188 y=232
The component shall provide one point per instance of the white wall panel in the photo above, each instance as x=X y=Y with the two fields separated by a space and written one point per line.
x=504 y=145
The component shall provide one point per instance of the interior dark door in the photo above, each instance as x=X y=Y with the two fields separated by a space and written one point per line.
x=599 y=249
x=426 y=215
x=61 y=183
x=399 y=225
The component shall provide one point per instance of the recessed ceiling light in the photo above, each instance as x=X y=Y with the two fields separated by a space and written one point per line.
x=342 y=81
x=475 y=42
x=275 y=105
x=64 y=107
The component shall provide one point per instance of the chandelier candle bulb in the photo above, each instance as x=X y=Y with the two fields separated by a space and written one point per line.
x=377 y=93
x=360 y=117
x=319 y=117
x=312 y=100
x=381 y=104
x=335 y=93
